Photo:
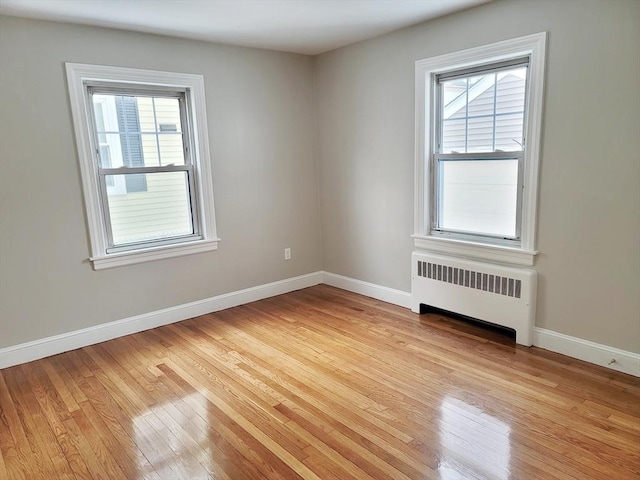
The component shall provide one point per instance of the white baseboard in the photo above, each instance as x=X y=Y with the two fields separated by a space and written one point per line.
x=34 y=350
x=386 y=294
x=626 y=362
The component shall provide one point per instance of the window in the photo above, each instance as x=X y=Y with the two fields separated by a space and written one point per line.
x=144 y=158
x=478 y=152
x=478 y=117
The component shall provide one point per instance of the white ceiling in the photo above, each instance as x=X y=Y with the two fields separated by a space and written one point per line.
x=300 y=26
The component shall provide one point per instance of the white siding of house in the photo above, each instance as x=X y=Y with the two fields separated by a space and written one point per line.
x=510 y=98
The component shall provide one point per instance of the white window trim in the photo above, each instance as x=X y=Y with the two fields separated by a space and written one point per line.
x=530 y=45
x=78 y=75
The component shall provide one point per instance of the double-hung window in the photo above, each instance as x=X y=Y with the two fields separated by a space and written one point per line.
x=479 y=151
x=478 y=124
x=144 y=157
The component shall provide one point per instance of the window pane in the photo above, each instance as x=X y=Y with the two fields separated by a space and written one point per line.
x=150 y=150
x=478 y=196
x=510 y=91
x=168 y=114
x=111 y=142
x=105 y=159
x=131 y=146
x=454 y=135
x=171 y=149
x=509 y=132
x=158 y=114
x=100 y=122
x=146 y=114
x=481 y=95
x=483 y=113
x=480 y=134
x=162 y=210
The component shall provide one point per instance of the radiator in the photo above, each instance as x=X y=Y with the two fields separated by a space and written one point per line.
x=504 y=296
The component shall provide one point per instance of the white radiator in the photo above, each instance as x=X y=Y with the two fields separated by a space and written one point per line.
x=493 y=293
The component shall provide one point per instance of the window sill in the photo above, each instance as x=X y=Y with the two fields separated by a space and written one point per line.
x=491 y=253
x=150 y=254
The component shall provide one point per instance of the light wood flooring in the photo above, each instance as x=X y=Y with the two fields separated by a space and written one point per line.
x=317 y=384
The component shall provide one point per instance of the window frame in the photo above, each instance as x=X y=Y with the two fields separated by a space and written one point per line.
x=81 y=79
x=481 y=247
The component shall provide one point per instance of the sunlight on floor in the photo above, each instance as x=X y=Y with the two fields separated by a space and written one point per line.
x=474 y=443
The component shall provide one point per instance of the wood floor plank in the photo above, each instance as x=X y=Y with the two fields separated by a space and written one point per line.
x=181 y=421
x=223 y=444
x=264 y=446
x=3 y=468
x=329 y=390
x=124 y=453
x=55 y=375
x=110 y=417
x=317 y=384
x=132 y=413
x=60 y=422
x=14 y=446
x=99 y=460
x=45 y=446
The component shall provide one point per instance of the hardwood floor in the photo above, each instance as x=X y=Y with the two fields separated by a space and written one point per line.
x=317 y=384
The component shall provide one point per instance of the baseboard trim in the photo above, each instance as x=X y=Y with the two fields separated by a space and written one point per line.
x=45 y=347
x=386 y=294
x=626 y=362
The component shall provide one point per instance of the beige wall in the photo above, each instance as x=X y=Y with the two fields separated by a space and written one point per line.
x=589 y=207
x=269 y=145
x=261 y=120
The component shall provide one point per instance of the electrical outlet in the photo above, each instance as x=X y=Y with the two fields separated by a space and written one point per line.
x=287 y=254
